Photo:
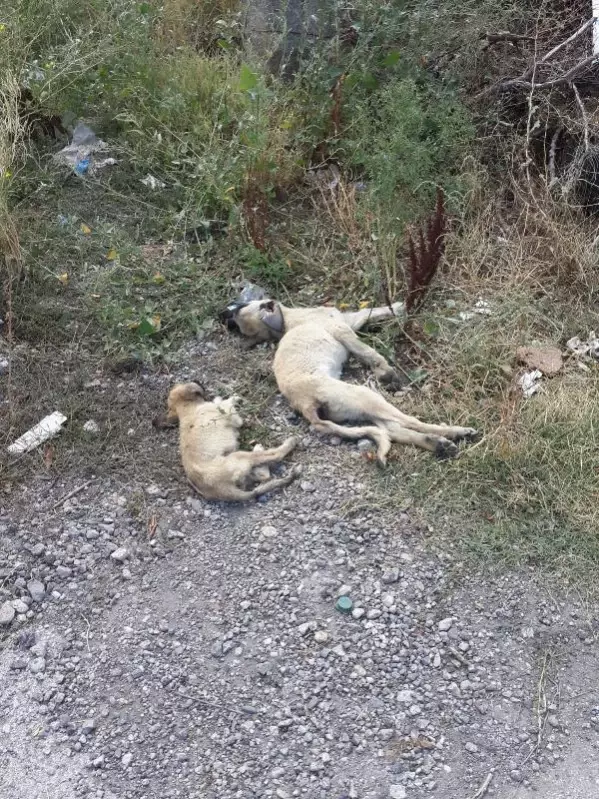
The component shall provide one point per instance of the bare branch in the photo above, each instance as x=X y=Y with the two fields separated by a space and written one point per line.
x=524 y=81
x=526 y=75
x=583 y=113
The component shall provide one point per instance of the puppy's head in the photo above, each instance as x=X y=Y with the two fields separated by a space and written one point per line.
x=261 y=320
x=179 y=395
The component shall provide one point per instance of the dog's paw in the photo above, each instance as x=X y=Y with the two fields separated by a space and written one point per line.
x=471 y=435
x=445 y=449
x=393 y=379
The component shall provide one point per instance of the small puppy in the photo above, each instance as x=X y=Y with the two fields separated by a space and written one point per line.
x=208 y=442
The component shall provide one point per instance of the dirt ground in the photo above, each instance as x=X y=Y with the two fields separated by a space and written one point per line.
x=162 y=646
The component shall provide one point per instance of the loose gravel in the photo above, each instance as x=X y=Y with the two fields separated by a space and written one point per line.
x=154 y=645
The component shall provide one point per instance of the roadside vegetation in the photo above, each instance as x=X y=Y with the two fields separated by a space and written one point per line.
x=309 y=186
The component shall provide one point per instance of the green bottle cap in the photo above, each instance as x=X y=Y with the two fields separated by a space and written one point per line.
x=344 y=604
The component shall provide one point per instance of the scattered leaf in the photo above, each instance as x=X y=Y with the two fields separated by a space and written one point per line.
x=64 y=278
x=431 y=328
x=85 y=229
x=343 y=306
x=112 y=254
x=149 y=326
x=364 y=304
x=158 y=278
x=391 y=58
x=248 y=80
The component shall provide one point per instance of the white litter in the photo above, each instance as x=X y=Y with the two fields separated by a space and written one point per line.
x=91 y=427
x=529 y=382
x=79 y=153
x=47 y=428
x=153 y=183
x=481 y=308
x=588 y=348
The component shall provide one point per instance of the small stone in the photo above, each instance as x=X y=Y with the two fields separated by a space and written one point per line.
x=7 y=614
x=553 y=720
x=365 y=445
x=4 y=366
x=445 y=624
x=91 y=427
x=37 y=665
x=120 y=555
x=321 y=636
x=37 y=590
x=357 y=613
x=126 y=759
x=397 y=792
x=470 y=747
x=20 y=606
x=390 y=576
x=89 y=726
x=546 y=359
x=269 y=531
x=305 y=628
x=406 y=696
x=307 y=486
x=374 y=613
x=63 y=571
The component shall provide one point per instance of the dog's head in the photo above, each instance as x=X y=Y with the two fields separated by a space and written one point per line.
x=260 y=320
x=179 y=395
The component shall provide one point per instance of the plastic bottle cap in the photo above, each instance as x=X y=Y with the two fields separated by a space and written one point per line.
x=344 y=604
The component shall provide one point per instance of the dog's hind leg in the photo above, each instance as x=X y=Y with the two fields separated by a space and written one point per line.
x=258 y=457
x=279 y=482
x=443 y=430
x=442 y=447
x=370 y=316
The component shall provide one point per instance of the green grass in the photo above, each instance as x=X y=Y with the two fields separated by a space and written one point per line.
x=110 y=267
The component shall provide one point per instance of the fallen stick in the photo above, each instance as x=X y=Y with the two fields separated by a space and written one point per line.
x=72 y=493
x=483 y=788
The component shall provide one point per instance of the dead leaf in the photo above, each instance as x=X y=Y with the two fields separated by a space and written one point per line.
x=152 y=526
x=112 y=254
x=64 y=278
x=85 y=229
x=48 y=456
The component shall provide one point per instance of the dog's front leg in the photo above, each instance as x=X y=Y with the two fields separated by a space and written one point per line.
x=371 y=316
x=368 y=356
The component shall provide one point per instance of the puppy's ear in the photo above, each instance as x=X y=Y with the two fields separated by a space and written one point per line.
x=272 y=316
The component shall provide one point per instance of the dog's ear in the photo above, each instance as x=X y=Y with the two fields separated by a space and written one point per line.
x=272 y=316
x=195 y=390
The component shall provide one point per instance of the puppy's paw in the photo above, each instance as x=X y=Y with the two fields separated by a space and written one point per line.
x=290 y=443
x=295 y=471
x=445 y=449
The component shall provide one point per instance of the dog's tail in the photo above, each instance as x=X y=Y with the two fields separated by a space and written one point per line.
x=379 y=435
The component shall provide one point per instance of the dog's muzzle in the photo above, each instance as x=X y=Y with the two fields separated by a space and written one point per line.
x=227 y=316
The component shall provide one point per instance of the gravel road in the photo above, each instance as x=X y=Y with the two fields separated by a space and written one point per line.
x=153 y=645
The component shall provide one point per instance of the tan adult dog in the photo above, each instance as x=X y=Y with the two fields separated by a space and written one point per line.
x=209 y=440
x=314 y=344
